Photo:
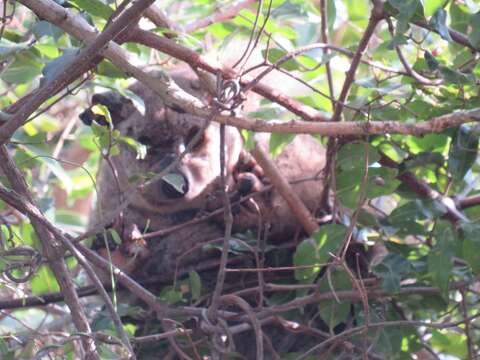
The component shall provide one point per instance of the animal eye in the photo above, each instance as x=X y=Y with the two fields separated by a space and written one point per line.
x=145 y=140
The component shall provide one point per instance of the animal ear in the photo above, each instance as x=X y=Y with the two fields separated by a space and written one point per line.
x=120 y=108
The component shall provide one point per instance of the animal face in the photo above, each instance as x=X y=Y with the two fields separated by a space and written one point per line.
x=191 y=181
x=166 y=132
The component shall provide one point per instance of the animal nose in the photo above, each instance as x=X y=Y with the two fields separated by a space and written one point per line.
x=174 y=185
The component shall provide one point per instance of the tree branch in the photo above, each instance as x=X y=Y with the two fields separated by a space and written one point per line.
x=78 y=66
x=53 y=239
x=375 y=17
x=354 y=128
x=51 y=247
x=220 y=15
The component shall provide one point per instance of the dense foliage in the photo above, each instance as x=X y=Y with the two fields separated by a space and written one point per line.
x=410 y=200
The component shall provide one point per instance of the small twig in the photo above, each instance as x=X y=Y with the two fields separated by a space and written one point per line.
x=468 y=330
x=256 y=325
x=162 y=336
x=358 y=329
x=375 y=17
x=410 y=71
x=456 y=36
x=421 y=188
x=252 y=34
x=220 y=15
x=156 y=16
x=50 y=245
x=196 y=61
x=135 y=288
x=228 y=222
x=274 y=269
x=77 y=67
x=361 y=201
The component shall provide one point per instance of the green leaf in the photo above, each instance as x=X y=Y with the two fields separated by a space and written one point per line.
x=305 y=254
x=424 y=159
x=406 y=10
x=248 y=139
x=137 y=100
x=94 y=7
x=9 y=48
x=471 y=245
x=171 y=296
x=115 y=236
x=455 y=77
x=139 y=148
x=351 y=156
x=463 y=151
x=44 y=281
x=44 y=28
x=59 y=172
x=333 y=312
x=331 y=15
x=24 y=69
x=408 y=217
x=432 y=63
x=357 y=10
x=474 y=35
x=5 y=352
x=450 y=342
x=195 y=285
x=278 y=141
x=53 y=165
x=431 y=6
x=380 y=181
x=439 y=23
x=265 y=114
x=315 y=251
x=46 y=123
x=49 y=51
x=440 y=262
x=106 y=68
x=275 y=57
x=391 y=270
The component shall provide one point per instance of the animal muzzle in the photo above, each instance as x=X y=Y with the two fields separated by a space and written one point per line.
x=174 y=185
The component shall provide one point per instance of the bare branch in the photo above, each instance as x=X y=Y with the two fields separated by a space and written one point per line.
x=79 y=64
x=51 y=247
x=220 y=15
x=197 y=61
x=375 y=17
x=354 y=128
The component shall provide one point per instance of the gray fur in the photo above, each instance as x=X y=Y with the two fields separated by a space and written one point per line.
x=167 y=130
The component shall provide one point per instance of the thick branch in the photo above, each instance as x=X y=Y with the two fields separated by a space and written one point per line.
x=354 y=128
x=51 y=249
x=456 y=36
x=78 y=66
x=135 y=288
x=422 y=189
x=53 y=244
x=197 y=61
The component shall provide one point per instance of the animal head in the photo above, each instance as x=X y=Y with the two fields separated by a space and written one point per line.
x=166 y=132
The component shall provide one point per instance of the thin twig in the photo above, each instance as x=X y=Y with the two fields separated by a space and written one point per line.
x=375 y=17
